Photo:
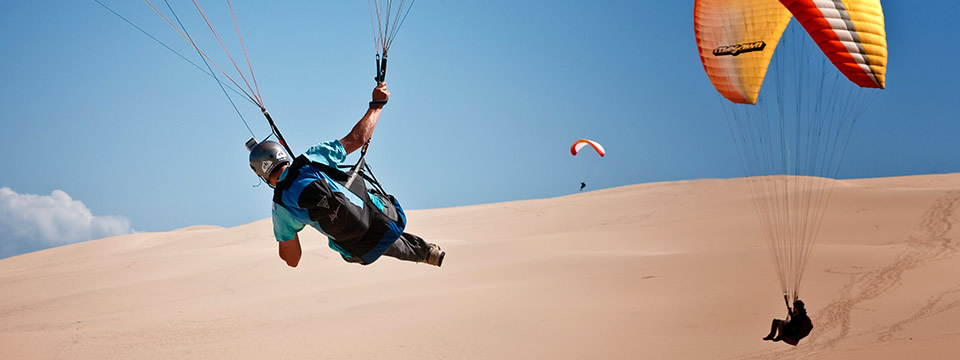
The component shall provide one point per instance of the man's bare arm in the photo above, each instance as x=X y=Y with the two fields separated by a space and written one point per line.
x=290 y=251
x=362 y=131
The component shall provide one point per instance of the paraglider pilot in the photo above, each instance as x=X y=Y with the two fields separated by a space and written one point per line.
x=797 y=326
x=361 y=225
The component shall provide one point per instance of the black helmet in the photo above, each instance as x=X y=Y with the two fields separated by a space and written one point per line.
x=798 y=305
x=266 y=157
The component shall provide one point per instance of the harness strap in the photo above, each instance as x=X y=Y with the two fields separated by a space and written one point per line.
x=361 y=168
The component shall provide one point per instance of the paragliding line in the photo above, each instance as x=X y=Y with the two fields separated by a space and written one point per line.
x=217 y=35
x=244 y=47
x=210 y=73
x=384 y=33
x=256 y=98
x=211 y=70
x=252 y=98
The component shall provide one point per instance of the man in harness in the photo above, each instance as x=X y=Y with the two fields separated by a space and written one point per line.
x=361 y=224
x=797 y=326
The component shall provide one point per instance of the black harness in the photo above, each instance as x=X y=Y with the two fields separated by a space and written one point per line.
x=364 y=231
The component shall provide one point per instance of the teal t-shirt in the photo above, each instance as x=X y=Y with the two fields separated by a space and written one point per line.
x=285 y=224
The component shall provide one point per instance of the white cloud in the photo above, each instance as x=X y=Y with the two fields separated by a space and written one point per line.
x=31 y=222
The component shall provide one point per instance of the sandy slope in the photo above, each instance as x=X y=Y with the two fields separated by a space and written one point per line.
x=654 y=271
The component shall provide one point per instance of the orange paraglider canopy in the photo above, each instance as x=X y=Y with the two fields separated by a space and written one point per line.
x=738 y=37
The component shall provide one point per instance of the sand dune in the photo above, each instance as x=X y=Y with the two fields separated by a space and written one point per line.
x=654 y=271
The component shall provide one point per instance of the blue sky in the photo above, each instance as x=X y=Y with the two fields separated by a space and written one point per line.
x=486 y=99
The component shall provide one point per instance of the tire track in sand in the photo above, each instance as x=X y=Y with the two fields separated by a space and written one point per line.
x=929 y=242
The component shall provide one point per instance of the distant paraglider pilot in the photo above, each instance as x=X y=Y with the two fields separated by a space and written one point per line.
x=360 y=223
x=582 y=143
x=797 y=326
